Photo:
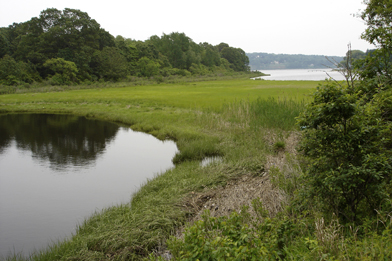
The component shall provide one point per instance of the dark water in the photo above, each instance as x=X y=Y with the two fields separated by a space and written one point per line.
x=57 y=170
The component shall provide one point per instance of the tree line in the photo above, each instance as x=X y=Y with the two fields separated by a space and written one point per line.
x=66 y=47
x=270 y=61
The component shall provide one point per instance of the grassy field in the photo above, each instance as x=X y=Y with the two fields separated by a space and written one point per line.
x=196 y=95
x=242 y=121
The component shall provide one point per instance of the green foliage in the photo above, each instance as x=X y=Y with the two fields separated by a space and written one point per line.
x=198 y=69
x=210 y=56
x=236 y=57
x=69 y=34
x=4 y=43
x=347 y=141
x=347 y=129
x=351 y=57
x=14 y=73
x=111 y=64
x=64 y=71
x=204 y=242
x=147 y=67
x=237 y=237
x=72 y=35
x=378 y=17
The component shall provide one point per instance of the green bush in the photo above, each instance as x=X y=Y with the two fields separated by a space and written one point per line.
x=347 y=136
x=13 y=73
x=64 y=71
x=237 y=237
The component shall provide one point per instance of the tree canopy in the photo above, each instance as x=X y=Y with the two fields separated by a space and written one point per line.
x=72 y=36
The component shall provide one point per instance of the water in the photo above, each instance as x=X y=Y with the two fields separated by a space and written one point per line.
x=57 y=170
x=302 y=75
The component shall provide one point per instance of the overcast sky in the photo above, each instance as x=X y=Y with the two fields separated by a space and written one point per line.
x=271 y=26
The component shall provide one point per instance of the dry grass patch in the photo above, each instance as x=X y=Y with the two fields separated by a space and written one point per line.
x=237 y=193
x=244 y=189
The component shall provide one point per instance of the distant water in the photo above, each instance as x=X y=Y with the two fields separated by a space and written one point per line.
x=302 y=75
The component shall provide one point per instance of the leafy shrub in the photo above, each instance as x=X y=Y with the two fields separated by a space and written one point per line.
x=348 y=139
x=64 y=71
x=14 y=73
x=237 y=237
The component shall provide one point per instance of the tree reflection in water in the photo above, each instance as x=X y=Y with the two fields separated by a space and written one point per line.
x=63 y=140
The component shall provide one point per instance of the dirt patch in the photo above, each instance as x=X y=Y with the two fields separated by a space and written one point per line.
x=279 y=159
x=242 y=191
x=222 y=201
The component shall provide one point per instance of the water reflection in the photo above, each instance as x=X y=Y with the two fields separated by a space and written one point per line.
x=63 y=140
x=102 y=163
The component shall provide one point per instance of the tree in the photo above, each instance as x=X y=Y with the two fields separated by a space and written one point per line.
x=147 y=67
x=128 y=49
x=350 y=165
x=221 y=46
x=348 y=131
x=378 y=18
x=69 y=34
x=237 y=57
x=64 y=71
x=110 y=64
x=210 y=56
x=4 y=43
x=352 y=56
x=180 y=50
x=13 y=72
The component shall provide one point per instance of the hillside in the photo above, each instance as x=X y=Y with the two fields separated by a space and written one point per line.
x=269 y=61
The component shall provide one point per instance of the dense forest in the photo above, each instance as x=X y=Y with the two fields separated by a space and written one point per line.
x=269 y=61
x=67 y=47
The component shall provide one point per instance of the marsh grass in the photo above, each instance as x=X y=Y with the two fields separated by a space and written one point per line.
x=240 y=120
x=275 y=113
x=45 y=86
x=198 y=149
x=207 y=119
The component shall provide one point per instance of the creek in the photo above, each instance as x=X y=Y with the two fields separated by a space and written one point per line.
x=57 y=170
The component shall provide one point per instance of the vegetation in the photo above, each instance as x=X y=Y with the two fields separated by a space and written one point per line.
x=269 y=61
x=339 y=207
x=201 y=118
x=68 y=47
x=331 y=200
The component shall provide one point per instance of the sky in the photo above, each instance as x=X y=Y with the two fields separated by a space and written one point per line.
x=321 y=27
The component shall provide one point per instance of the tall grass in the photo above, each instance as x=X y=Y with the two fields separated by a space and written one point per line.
x=269 y=113
x=275 y=113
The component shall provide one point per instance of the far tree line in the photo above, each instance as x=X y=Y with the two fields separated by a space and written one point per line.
x=270 y=61
x=66 y=47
